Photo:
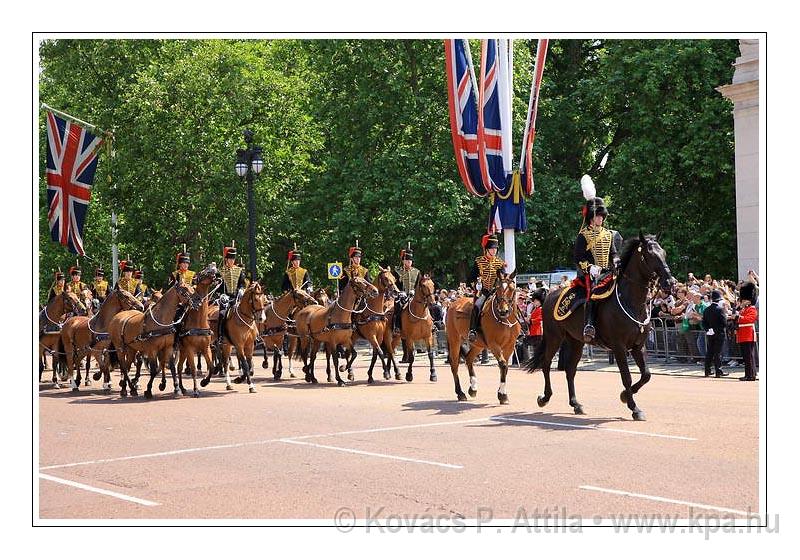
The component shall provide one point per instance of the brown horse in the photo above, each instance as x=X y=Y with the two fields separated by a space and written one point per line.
x=83 y=336
x=51 y=320
x=499 y=331
x=292 y=341
x=240 y=332
x=277 y=318
x=151 y=333
x=194 y=338
x=371 y=325
x=330 y=325
x=415 y=324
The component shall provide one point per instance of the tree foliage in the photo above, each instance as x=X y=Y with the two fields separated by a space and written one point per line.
x=357 y=145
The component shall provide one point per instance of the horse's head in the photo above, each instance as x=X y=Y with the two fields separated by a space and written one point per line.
x=127 y=301
x=362 y=288
x=185 y=294
x=302 y=298
x=425 y=288
x=505 y=293
x=652 y=261
x=386 y=283
x=321 y=296
x=256 y=296
x=72 y=303
x=206 y=276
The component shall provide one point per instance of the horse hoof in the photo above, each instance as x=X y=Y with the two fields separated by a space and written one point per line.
x=228 y=387
x=134 y=392
x=252 y=389
x=578 y=409
x=184 y=392
x=502 y=398
x=162 y=386
x=434 y=378
x=409 y=377
x=87 y=383
x=264 y=364
x=75 y=390
x=148 y=394
x=623 y=397
x=472 y=392
x=97 y=376
x=639 y=415
x=397 y=376
x=387 y=375
x=107 y=391
x=123 y=394
x=231 y=367
x=461 y=396
x=203 y=382
x=293 y=376
x=342 y=369
x=195 y=394
x=350 y=377
x=314 y=381
x=341 y=383
x=541 y=401
x=330 y=379
x=238 y=380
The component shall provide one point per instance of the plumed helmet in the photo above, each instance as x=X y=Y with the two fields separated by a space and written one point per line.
x=59 y=275
x=594 y=205
x=293 y=255
x=748 y=292
x=229 y=253
x=74 y=270
x=406 y=255
x=99 y=272
x=354 y=252
x=138 y=274
x=126 y=266
x=182 y=258
x=489 y=241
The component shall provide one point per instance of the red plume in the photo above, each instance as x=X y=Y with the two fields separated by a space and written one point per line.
x=402 y=254
x=178 y=257
x=584 y=210
x=289 y=255
x=351 y=251
x=485 y=240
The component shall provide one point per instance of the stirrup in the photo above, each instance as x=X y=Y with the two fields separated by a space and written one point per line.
x=473 y=335
x=588 y=333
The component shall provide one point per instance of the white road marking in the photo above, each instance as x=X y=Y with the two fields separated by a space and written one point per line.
x=666 y=500
x=591 y=427
x=392 y=428
x=371 y=454
x=97 y=490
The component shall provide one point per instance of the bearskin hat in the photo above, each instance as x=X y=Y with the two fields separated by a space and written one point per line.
x=748 y=292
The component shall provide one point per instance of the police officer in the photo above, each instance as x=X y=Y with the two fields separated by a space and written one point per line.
x=714 y=325
x=100 y=285
x=594 y=250
x=484 y=275
x=407 y=277
x=295 y=277
x=233 y=286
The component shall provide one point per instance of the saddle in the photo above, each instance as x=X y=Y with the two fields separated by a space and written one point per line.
x=574 y=296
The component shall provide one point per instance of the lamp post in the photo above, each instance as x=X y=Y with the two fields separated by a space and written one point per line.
x=248 y=164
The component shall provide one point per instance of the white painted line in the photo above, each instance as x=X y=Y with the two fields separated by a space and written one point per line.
x=666 y=500
x=161 y=454
x=392 y=428
x=591 y=427
x=369 y=453
x=97 y=490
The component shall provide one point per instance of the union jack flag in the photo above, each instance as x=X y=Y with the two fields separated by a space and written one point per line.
x=71 y=163
x=461 y=96
x=494 y=117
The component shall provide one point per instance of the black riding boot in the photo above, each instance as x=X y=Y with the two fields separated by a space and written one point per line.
x=474 y=320
x=588 y=329
x=398 y=313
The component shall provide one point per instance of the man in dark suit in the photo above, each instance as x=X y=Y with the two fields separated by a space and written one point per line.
x=714 y=325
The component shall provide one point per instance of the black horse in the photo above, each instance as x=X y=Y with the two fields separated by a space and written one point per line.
x=622 y=322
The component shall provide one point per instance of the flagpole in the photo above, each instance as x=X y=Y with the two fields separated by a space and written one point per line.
x=114 y=252
x=76 y=119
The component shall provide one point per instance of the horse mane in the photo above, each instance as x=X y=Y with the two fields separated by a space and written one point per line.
x=628 y=247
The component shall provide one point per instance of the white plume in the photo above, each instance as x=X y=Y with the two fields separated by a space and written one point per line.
x=587 y=186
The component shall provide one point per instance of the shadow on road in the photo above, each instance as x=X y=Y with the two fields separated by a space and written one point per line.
x=98 y=396
x=446 y=406
x=547 y=421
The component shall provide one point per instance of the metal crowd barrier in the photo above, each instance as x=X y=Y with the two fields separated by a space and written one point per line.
x=666 y=342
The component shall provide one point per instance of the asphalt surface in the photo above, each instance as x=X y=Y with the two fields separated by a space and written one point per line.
x=294 y=451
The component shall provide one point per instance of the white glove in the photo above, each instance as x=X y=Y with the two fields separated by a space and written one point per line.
x=478 y=286
x=223 y=299
x=710 y=332
x=594 y=271
x=240 y=293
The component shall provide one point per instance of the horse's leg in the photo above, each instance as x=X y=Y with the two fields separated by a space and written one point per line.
x=372 y=365
x=135 y=382
x=454 y=352
x=626 y=395
x=328 y=363
x=551 y=344
x=292 y=346
x=199 y=365
x=86 y=381
x=430 y=359
x=247 y=362
x=170 y=354
x=163 y=367
x=502 y=363
x=125 y=381
x=339 y=381
x=411 y=353
x=350 y=357
x=226 y=358
x=313 y=348
x=152 y=365
x=576 y=349
x=469 y=360
x=641 y=362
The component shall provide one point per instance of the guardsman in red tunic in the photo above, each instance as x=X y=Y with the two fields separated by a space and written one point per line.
x=746 y=329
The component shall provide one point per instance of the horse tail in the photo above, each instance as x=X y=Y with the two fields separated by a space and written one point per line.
x=113 y=359
x=59 y=355
x=535 y=362
x=298 y=350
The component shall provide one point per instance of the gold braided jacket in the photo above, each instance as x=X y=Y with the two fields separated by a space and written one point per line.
x=487 y=269
x=187 y=276
x=101 y=288
x=128 y=284
x=76 y=287
x=598 y=243
x=230 y=275
x=408 y=278
x=296 y=276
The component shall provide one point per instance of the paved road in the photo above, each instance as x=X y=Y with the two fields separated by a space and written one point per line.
x=297 y=451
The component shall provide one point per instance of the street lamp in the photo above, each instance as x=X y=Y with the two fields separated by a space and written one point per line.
x=249 y=163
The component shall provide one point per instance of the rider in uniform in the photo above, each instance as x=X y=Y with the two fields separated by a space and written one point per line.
x=75 y=285
x=354 y=268
x=233 y=286
x=100 y=285
x=145 y=290
x=594 y=252
x=57 y=287
x=484 y=275
x=407 y=277
x=127 y=282
x=182 y=261
x=295 y=277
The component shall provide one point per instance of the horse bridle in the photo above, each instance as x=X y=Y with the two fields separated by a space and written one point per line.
x=393 y=287
x=424 y=297
x=509 y=301
x=253 y=309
